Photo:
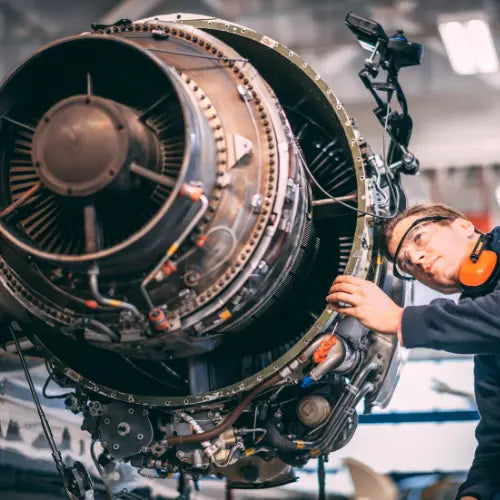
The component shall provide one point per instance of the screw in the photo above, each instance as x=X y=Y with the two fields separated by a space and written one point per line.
x=140 y=436
x=116 y=446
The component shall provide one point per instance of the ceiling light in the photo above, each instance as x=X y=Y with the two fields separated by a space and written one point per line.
x=469 y=45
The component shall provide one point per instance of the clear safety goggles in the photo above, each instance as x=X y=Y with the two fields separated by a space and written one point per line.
x=415 y=238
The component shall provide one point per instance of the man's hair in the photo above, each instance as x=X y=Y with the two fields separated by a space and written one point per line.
x=422 y=210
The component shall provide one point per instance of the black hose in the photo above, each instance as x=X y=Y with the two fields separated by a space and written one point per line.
x=348 y=400
x=274 y=436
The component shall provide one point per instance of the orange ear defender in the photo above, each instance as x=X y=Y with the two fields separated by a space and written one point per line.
x=480 y=270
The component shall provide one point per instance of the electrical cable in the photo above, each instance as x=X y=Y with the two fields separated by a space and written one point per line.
x=94 y=458
x=198 y=56
x=149 y=375
x=393 y=190
x=52 y=396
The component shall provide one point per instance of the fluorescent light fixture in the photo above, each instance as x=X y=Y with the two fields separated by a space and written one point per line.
x=484 y=48
x=469 y=45
x=497 y=194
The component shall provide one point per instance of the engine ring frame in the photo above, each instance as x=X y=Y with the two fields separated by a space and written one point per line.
x=362 y=259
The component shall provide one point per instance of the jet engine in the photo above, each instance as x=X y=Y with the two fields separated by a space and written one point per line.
x=177 y=195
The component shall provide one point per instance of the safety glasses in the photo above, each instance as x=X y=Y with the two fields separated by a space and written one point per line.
x=396 y=267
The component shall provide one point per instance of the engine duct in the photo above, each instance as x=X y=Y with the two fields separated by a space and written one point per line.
x=176 y=197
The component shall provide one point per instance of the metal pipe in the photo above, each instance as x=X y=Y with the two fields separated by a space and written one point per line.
x=209 y=449
x=152 y=176
x=332 y=434
x=17 y=203
x=106 y=301
x=336 y=355
x=328 y=201
x=173 y=248
x=104 y=329
x=309 y=351
x=229 y=459
x=344 y=402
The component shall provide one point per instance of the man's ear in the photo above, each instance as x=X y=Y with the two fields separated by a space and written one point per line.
x=465 y=226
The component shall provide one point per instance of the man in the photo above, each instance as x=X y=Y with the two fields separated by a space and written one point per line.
x=430 y=242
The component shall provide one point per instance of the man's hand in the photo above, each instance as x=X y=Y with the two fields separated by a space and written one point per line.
x=369 y=304
x=468 y=498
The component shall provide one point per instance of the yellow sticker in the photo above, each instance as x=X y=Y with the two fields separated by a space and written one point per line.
x=173 y=248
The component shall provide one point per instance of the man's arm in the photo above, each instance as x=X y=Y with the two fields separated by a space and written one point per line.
x=470 y=327
x=483 y=480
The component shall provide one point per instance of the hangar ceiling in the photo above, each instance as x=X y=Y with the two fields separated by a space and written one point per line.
x=315 y=29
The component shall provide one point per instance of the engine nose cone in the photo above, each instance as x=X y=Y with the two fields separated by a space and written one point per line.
x=80 y=145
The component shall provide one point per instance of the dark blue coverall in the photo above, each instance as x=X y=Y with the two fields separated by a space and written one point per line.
x=471 y=326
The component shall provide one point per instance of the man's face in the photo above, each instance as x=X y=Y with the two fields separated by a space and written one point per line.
x=433 y=252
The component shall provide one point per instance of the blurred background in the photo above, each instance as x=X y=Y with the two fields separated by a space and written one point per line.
x=425 y=439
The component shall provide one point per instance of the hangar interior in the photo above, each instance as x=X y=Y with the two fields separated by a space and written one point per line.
x=419 y=446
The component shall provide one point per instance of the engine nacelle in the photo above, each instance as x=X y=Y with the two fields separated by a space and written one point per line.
x=176 y=197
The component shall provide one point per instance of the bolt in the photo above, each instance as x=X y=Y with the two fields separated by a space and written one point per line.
x=107 y=420
x=140 y=437
x=131 y=411
x=116 y=446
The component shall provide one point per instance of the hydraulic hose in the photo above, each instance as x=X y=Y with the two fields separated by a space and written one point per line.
x=228 y=421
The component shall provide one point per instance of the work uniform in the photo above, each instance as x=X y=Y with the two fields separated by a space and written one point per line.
x=471 y=326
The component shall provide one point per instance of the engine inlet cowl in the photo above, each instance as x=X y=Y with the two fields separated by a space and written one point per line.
x=164 y=193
